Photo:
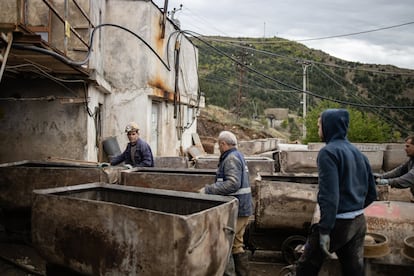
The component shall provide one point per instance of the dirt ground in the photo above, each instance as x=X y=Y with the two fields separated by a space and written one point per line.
x=212 y=120
x=23 y=260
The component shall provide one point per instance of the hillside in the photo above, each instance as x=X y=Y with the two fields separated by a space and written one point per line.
x=247 y=75
x=213 y=119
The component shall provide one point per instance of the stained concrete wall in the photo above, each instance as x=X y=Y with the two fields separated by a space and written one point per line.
x=126 y=79
x=36 y=124
x=141 y=75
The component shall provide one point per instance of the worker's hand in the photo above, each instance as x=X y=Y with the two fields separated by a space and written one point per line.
x=324 y=243
x=381 y=181
x=128 y=166
x=103 y=165
x=376 y=175
x=202 y=190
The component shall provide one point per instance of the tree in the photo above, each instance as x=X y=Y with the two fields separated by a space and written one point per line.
x=364 y=127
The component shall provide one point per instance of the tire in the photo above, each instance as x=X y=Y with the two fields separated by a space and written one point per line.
x=288 y=248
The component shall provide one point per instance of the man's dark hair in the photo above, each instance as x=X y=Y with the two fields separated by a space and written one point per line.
x=411 y=138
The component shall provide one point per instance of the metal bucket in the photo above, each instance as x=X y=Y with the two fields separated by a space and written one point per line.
x=104 y=229
x=111 y=146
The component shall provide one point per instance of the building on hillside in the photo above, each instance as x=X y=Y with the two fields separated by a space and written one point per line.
x=74 y=73
x=275 y=116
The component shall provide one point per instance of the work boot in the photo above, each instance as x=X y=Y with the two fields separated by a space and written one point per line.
x=230 y=267
x=241 y=264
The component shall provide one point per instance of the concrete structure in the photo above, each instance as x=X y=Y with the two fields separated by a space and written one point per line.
x=275 y=116
x=70 y=80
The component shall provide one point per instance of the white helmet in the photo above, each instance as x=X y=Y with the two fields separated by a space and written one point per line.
x=132 y=126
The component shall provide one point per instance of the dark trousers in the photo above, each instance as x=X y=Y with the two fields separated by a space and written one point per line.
x=347 y=241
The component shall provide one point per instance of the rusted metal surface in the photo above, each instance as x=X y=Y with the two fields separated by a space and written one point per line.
x=376 y=245
x=304 y=178
x=395 y=220
x=127 y=230
x=386 y=193
x=187 y=180
x=408 y=249
x=284 y=205
x=19 y=179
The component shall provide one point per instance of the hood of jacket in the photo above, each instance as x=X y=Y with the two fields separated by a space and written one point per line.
x=335 y=123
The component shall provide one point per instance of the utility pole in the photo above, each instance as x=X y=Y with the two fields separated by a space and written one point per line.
x=242 y=70
x=305 y=65
x=241 y=77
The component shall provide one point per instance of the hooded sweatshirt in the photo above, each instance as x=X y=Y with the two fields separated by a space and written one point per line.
x=346 y=183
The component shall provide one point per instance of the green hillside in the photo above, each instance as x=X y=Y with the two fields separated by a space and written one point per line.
x=248 y=75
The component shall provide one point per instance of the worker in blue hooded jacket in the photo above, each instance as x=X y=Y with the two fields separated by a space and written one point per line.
x=346 y=187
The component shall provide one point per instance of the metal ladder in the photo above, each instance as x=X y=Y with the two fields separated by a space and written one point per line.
x=5 y=51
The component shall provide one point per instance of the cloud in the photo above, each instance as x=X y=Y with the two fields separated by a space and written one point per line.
x=304 y=19
x=366 y=52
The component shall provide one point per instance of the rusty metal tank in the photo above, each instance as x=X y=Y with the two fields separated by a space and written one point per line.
x=19 y=179
x=187 y=180
x=105 y=229
x=284 y=205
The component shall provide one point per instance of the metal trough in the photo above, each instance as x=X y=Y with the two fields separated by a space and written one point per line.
x=186 y=180
x=19 y=179
x=104 y=229
x=285 y=205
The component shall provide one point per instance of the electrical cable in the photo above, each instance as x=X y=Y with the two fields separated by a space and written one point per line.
x=291 y=86
x=60 y=82
x=295 y=59
x=80 y=63
x=382 y=115
x=357 y=33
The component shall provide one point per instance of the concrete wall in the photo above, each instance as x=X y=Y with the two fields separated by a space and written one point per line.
x=36 y=123
x=127 y=80
x=139 y=78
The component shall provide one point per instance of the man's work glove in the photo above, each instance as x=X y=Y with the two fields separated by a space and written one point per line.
x=128 y=166
x=381 y=181
x=324 y=243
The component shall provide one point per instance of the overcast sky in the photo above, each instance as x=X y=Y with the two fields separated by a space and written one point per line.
x=310 y=19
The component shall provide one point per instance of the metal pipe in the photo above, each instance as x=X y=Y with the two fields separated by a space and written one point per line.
x=53 y=9
x=9 y=40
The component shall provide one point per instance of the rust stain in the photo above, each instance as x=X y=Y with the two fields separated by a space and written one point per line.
x=94 y=246
x=160 y=89
x=157 y=27
x=383 y=210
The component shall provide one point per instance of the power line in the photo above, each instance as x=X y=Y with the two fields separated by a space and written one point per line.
x=356 y=33
x=197 y=36
x=296 y=59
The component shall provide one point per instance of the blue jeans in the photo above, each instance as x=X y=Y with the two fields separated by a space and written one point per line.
x=347 y=241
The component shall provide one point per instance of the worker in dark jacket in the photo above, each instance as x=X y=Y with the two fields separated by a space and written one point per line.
x=232 y=178
x=401 y=177
x=346 y=187
x=137 y=153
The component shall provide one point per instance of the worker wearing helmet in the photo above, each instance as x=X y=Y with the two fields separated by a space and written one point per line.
x=137 y=153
